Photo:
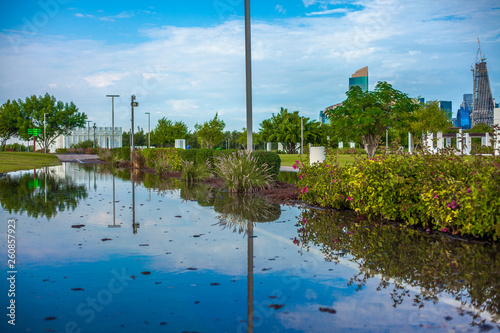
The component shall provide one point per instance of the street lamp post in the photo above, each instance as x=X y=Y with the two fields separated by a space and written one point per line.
x=113 y=119
x=248 y=69
x=149 y=129
x=45 y=133
x=94 y=135
x=301 y=135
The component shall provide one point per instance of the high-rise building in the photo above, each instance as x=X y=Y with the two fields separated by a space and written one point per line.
x=446 y=105
x=483 y=105
x=464 y=112
x=360 y=78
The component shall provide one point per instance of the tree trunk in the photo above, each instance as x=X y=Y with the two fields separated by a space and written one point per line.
x=370 y=141
x=290 y=148
x=4 y=142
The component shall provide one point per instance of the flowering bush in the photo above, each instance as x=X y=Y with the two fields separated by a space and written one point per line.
x=443 y=192
x=163 y=160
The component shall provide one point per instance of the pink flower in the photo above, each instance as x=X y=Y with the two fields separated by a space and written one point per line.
x=468 y=190
x=295 y=166
x=304 y=220
x=444 y=230
x=304 y=190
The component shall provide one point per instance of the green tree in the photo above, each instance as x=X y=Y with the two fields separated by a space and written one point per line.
x=61 y=118
x=242 y=139
x=429 y=118
x=9 y=116
x=166 y=132
x=481 y=128
x=210 y=133
x=369 y=114
x=285 y=127
x=140 y=139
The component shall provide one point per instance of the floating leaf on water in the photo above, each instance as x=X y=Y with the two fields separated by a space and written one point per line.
x=215 y=284
x=328 y=310
x=276 y=306
x=77 y=289
x=146 y=273
x=50 y=318
x=106 y=239
x=78 y=226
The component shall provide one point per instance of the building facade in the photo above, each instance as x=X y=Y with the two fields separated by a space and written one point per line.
x=360 y=79
x=103 y=137
x=483 y=104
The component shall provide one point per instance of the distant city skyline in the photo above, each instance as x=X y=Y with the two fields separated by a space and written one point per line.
x=185 y=60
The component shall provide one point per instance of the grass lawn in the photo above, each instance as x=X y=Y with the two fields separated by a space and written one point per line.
x=10 y=161
x=289 y=159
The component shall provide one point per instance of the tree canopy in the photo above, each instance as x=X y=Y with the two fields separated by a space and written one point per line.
x=167 y=131
x=284 y=127
x=429 y=118
x=369 y=114
x=210 y=133
x=17 y=117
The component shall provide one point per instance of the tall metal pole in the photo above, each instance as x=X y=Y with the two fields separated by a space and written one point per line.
x=248 y=63
x=94 y=136
x=113 y=118
x=149 y=129
x=132 y=129
x=45 y=134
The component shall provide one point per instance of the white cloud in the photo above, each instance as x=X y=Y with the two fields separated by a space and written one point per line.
x=327 y=12
x=102 y=80
x=279 y=9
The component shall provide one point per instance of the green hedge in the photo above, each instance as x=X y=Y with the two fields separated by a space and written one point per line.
x=61 y=150
x=271 y=159
x=443 y=192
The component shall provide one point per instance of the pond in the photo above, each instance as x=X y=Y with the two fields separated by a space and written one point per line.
x=101 y=250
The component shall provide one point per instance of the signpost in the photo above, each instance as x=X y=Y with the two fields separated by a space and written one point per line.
x=35 y=132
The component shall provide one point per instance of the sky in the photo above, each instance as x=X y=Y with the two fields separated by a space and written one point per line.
x=185 y=60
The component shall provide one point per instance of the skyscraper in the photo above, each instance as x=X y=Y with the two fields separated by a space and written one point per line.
x=360 y=78
x=483 y=106
x=446 y=105
x=464 y=112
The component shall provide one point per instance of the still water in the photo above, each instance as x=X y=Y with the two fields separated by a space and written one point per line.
x=99 y=250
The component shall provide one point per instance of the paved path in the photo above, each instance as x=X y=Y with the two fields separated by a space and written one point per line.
x=288 y=168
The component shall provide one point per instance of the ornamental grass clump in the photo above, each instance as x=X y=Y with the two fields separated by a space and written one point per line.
x=242 y=173
x=192 y=172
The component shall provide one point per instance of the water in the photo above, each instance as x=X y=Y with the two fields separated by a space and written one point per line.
x=98 y=251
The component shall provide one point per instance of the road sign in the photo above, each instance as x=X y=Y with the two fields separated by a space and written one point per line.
x=34 y=131
x=135 y=104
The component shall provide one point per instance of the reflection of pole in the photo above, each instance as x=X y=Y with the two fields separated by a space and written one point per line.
x=134 y=225
x=250 y=277
x=95 y=185
x=45 y=184
x=114 y=211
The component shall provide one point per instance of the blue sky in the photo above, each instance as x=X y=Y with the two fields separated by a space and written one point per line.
x=185 y=59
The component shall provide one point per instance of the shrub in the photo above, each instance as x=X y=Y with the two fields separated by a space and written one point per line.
x=271 y=159
x=192 y=172
x=105 y=155
x=242 y=172
x=444 y=192
x=61 y=150
x=188 y=154
x=205 y=155
x=138 y=161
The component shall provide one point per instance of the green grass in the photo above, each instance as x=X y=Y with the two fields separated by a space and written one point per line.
x=10 y=161
x=289 y=159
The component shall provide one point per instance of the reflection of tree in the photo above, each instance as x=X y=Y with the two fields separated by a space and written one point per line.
x=470 y=272
x=236 y=209
x=18 y=195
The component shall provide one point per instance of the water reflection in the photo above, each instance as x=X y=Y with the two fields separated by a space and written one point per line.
x=40 y=193
x=408 y=259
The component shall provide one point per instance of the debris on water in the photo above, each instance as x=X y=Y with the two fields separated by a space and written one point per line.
x=191 y=268
x=50 y=318
x=448 y=318
x=196 y=236
x=215 y=284
x=106 y=239
x=143 y=244
x=266 y=269
x=77 y=289
x=276 y=306
x=252 y=236
x=197 y=302
x=132 y=277
x=163 y=323
x=329 y=310
x=273 y=297
x=78 y=226
x=178 y=216
x=146 y=273
x=157 y=282
x=168 y=252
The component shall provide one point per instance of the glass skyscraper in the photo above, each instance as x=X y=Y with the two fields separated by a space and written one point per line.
x=360 y=78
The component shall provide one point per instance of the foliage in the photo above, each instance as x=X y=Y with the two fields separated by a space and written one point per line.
x=84 y=144
x=403 y=259
x=140 y=139
x=166 y=132
x=369 y=114
x=163 y=160
x=480 y=128
x=242 y=139
x=137 y=159
x=242 y=172
x=442 y=192
x=429 y=118
x=9 y=117
x=193 y=172
x=25 y=193
x=61 y=118
x=16 y=147
x=285 y=127
x=210 y=133
x=270 y=159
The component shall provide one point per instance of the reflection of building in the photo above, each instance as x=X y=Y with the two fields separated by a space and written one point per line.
x=360 y=79
x=103 y=137
x=483 y=107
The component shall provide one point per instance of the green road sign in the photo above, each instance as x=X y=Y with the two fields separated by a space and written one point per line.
x=34 y=131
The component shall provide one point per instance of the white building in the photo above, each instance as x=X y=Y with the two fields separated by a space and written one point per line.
x=103 y=137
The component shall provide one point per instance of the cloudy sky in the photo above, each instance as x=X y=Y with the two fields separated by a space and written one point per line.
x=185 y=59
